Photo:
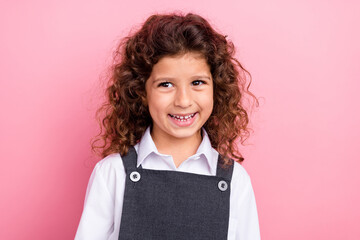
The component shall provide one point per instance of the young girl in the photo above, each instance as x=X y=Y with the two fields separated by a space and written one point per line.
x=172 y=122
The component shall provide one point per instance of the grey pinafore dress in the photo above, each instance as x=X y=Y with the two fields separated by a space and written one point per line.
x=162 y=204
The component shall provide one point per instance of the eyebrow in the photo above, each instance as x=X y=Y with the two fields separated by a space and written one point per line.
x=202 y=77
x=194 y=77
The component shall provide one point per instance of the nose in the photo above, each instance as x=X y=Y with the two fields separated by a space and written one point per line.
x=183 y=97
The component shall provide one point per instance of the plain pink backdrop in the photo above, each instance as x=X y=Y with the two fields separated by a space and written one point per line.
x=303 y=157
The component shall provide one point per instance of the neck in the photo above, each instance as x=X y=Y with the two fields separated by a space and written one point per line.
x=179 y=148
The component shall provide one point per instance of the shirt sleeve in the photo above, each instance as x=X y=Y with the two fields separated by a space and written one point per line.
x=96 y=222
x=243 y=216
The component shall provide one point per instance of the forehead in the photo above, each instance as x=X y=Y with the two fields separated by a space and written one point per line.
x=187 y=64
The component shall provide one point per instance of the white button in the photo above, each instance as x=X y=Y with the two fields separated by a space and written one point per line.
x=135 y=176
x=222 y=185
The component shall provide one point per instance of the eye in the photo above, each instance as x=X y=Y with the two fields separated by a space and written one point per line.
x=198 y=82
x=165 y=84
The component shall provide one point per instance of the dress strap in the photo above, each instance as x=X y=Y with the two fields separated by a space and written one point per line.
x=224 y=171
x=130 y=160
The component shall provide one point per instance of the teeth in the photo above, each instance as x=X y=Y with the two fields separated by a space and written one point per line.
x=182 y=118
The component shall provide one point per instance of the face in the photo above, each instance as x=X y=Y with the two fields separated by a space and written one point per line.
x=179 y=96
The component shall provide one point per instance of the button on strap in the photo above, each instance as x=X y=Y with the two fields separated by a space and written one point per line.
x=222 y=185
x=135 y=176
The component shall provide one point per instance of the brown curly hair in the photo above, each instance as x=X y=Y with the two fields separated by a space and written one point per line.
x=125 y=115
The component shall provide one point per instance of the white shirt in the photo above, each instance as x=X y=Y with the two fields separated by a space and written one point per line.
x=101 y=216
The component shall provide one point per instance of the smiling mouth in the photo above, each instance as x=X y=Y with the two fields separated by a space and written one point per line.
x=182 y=118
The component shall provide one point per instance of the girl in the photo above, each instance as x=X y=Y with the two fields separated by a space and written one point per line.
x=174 y=103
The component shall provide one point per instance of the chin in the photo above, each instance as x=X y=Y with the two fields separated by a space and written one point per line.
x=185 y=133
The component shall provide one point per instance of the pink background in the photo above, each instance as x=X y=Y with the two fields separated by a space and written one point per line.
x=303 y=157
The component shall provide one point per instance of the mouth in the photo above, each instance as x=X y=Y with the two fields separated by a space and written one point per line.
x=182 y=118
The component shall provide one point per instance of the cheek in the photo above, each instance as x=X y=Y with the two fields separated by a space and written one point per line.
x=210 y=107
x=208 y=101
x=156 y=104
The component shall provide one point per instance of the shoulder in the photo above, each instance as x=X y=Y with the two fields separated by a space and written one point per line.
x=111 y=161
x=240 y=176
x=110 y=166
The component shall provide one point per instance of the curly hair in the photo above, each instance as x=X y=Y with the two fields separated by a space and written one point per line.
x=125 y=115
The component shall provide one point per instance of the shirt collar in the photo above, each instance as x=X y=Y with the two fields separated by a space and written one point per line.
x=208 y=152
x=146 y=146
